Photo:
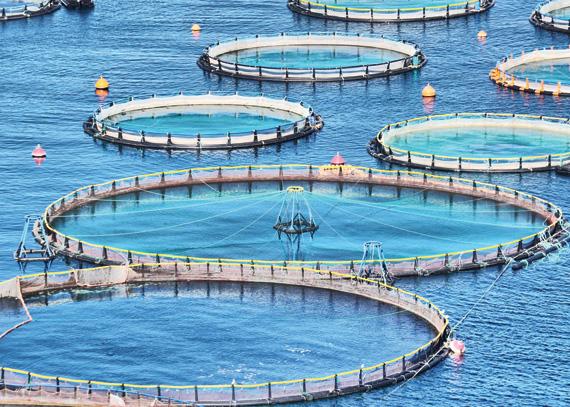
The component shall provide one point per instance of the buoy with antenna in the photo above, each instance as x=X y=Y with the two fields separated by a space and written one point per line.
x=102 y=83
x=428 y=91
x=39 y=154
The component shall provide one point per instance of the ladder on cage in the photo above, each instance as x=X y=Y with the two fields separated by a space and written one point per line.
x=42 y=252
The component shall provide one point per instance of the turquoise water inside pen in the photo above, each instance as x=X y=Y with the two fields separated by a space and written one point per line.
x=482 y=141
x=312 y=56
x=237 y=221
x=388 y=4
x=199 y=333
x=216 y=124
x=516 y=336
x=553 y=71
x=563 y=13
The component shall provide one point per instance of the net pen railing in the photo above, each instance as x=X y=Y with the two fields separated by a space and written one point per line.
x=495 y=254
x=542 y=15
x=334 y=11
x=28 y=9
x=330 y=385
x=380 y=147
x=216 y=63
x=502 y=77
x=100 y=124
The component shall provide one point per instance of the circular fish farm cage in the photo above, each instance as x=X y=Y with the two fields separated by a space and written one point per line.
x=204 y=122
x=545 y=71
x=498 y=142
x=388 y=10
x=19 y=9
x=552 y=15
x=363 y=301
x=217 y=214
x=311 y=57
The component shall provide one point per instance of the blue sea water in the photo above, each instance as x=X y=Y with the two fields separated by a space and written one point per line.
x=516 y=338
x=312 y=56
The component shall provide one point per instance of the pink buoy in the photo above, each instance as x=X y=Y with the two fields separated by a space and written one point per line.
x=39 y=152
x=338 y=160
x=39 y=155
x=457 y=347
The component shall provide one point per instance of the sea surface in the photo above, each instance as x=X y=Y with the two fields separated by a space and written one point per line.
x=517 y=336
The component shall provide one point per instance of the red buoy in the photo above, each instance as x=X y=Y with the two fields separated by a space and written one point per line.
x=39 y=152
x=338 y=160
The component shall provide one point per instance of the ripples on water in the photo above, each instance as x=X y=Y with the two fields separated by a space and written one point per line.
x=517 y=339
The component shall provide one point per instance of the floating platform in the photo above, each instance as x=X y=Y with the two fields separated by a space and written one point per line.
x=28 y=10
x=22 y=386
x=549 y=223
x=470 y=142
x=544 y=71
x=204 y=122
x=392 y=11
x=311 y=57
x=552 y=15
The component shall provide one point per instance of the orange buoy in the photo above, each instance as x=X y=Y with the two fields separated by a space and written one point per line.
x=428 y=91
x=482 y=35
x=557 y=90
x=101 y=84
x=196 y=27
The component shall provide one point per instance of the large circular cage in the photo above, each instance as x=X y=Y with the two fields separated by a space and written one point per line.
x=552 y=15
x=105 y=123
x=28 y=9
x=213 y=60
x=65 y=391
x=352 y=11
x=502 y=76
x=549 y=237
x=380 y=147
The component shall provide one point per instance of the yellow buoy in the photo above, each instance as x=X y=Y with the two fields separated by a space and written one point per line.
x=540 y=90
x=526 y=85
x=557 y=90
x=101 y=84
x=428 y=91
x=196 y=27
x=482 y=35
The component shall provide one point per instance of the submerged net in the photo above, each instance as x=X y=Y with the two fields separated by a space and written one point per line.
x=14 y=312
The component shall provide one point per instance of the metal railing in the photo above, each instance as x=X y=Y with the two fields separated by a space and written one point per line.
x=98 y=124
x=501 y=76
x=216 y=64
x=331 y=385
x=381 y=148
x=542 y=16
x=373 y=14
x=419 y=265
